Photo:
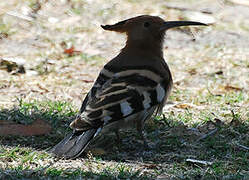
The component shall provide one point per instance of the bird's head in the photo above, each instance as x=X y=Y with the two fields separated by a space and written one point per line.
x=146 y=30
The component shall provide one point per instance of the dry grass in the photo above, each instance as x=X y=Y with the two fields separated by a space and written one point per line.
x=211 y=92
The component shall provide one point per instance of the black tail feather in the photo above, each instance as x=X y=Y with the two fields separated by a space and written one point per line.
x=74 y=144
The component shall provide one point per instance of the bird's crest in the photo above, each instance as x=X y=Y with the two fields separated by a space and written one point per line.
x=123 y=26
x=119 y=27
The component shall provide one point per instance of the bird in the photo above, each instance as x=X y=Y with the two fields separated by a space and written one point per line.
x=130 y=88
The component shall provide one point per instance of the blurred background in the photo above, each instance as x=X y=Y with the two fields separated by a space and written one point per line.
x=55 y=49
x=52 y=51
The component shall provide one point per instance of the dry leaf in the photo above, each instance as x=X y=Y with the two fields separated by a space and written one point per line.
x=220 y=72
x=5 y=122
x=3 y=35
x=98 y=151
x=38 y=127
x=151 y=166
x=13 y=65
x=87 y=81
x=192 y=71
x=42 y=88
x=71 y=51
x=183 y=106
x=232 y=88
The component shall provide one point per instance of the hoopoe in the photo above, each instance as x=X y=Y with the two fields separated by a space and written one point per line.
x=129 y=89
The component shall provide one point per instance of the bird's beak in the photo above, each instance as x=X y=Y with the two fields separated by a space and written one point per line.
x=171 y=24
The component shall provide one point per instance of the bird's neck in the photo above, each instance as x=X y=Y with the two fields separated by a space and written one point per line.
x=144 y=47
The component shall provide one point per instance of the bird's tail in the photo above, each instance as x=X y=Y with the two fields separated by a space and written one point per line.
x=74 y=144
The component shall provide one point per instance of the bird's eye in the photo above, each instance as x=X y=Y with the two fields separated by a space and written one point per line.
x=146 y=24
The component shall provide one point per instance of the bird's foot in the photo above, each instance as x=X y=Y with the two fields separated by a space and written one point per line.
x=146 y=145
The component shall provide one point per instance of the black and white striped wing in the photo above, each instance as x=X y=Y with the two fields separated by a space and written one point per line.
x=118 y=96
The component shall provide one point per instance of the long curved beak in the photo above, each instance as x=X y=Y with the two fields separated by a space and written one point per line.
x=171 y=24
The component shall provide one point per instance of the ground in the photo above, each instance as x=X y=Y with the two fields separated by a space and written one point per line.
x=51 y=53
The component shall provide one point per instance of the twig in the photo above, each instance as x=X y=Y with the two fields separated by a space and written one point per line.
x=208 y=134
x=178 y=8
x=199 y=162
x=18 y=15
x=242 y=146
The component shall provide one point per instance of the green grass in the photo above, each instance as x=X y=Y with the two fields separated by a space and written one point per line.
x=174 y=138
x=27 y=112
x=58 y=173
x=202 y=70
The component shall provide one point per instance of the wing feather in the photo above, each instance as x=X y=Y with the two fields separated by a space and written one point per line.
x=118 y=97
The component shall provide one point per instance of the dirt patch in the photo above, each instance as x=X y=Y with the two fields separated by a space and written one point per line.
x=210 y=70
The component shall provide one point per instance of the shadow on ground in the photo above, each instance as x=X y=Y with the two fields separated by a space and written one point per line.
x=225 y=146
x=168 y=140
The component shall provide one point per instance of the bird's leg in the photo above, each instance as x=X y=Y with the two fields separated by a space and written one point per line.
x=141 y=133
x=140 y=129
x=118 y=140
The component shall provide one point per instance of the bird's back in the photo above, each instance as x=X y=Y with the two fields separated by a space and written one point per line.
x=126 y=86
